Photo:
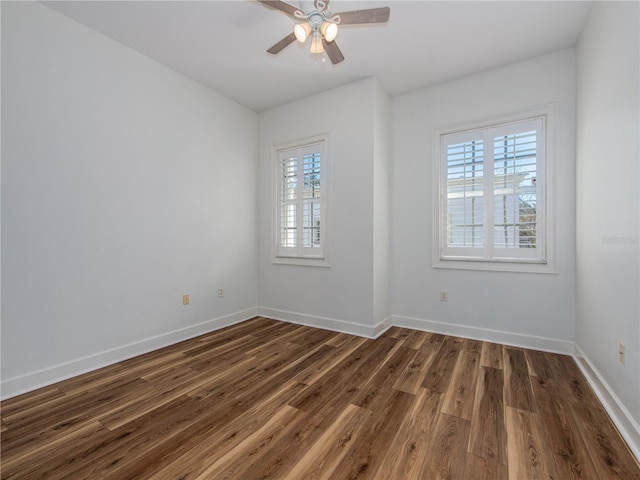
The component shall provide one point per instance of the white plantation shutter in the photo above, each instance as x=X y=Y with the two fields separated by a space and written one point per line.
x=311 y=196
x=465 y=194
x=492 y=182
x=300 y=202
x=516 y=152
x=288 y=193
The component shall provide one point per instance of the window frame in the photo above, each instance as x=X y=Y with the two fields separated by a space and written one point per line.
x=299 y=255
x=443 y=257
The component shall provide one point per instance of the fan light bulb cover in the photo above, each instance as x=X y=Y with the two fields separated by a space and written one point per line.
x=316 y=44
x=329 y=30
x=301 y=31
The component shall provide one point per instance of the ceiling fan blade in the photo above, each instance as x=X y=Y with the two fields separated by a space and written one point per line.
x=372 y=15
x=285 y=42
x=333 y=52
x=282 y=6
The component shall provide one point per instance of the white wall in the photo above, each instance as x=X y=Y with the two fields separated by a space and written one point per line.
x=381 y=205
x=608 y=206
x=509 y=307
x=340 y=296
x=116 y=200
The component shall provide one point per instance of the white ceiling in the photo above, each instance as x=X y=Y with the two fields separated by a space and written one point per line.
x=222 y=44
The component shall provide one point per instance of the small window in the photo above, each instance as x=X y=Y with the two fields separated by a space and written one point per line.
x=493 y=202
x=301 y=172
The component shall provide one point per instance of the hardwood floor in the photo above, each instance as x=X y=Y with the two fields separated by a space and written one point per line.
x=267 y=399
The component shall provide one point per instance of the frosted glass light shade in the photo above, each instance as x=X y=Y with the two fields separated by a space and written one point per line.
x=301 y=31
x=329 y=30
x=316 y=44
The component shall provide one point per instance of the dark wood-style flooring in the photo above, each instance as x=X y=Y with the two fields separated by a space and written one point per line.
x=267 y=399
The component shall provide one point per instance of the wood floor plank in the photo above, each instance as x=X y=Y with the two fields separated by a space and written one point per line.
x=332 y=382
x=416 y=339
x=397 y=333
x=448 y=447
x=158 y=395
x=223 y=346
x=313 y=372
x=146 y=361
x=249 y=374
x=376 y=393
x=439 y=374
x=294 y=442
x=471 y=345
x=540 y=365
x=171 y=375
x=527 y=446
x=409 y=448
x=172 y=437
x=377 y=358
x=210 y=363
x=458 y=399
x=269 y=400
x=275 y=344
x=61 y=452
x=324 y=401
x=125 y=371
x=206 y=449
x=338 y=339
x=222 y=381
x=323 y=457
x=365 y=456
x=93 y=379
x=491 y=355
x=603 y=442
x=518 y=391
x=242 y=455
x=129 y=444
x=488 y=430
x=309 y=338
x=287 y=372
x=565 y=442
x=411 y=378
x=68 y=414
x=436 y=338
x=229 y=334
x=273 y=331
x=484 y=469
x=22 y=405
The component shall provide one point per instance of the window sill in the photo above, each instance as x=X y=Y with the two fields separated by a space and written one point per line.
x=305 y=261
x=495 y=266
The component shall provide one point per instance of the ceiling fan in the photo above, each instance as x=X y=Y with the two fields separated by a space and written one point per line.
x=321 y=25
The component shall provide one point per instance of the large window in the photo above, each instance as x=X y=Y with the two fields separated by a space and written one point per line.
x=300 y=233
x=493 y=202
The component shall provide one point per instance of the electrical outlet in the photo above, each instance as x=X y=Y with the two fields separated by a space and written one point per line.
x=621 y=352
x=444 y=296
x=220 y=292
x=185 y=299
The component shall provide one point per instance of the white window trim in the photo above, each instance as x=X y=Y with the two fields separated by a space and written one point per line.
x=325 y=209
x=549 y=112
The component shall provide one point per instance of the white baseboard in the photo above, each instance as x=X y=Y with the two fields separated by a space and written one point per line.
x=382 y=327
x=496 y=336
x=25 y=383
x=620 y=416
x=343 y=326
x=627 y=426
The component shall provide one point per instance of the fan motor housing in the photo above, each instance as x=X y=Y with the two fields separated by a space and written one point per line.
x=315 y=19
